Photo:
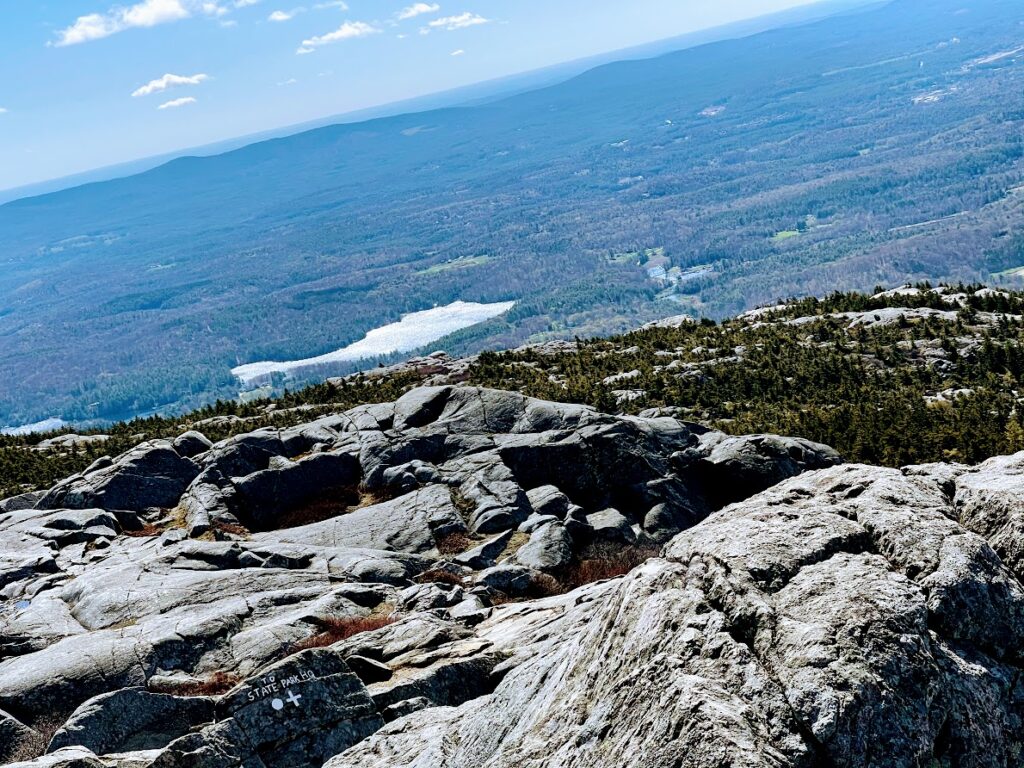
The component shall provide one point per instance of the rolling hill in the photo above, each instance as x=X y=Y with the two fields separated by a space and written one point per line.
x=865 y=148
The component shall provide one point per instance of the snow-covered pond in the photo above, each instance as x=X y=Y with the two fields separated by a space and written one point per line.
x=412 y=332
x=49 y=425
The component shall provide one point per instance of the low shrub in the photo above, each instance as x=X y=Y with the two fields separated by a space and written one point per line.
x=606 y=562
x=334 y=629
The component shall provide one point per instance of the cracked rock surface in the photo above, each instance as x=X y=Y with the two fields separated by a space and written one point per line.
x=469 y=578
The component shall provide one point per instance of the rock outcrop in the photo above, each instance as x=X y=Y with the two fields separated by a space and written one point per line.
x=469 y=578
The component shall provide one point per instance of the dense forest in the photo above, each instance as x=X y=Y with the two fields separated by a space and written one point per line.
x=908 y=376
x=876 y=146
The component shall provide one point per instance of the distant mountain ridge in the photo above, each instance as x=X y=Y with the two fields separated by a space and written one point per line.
x=868 y=147
x=464 y=96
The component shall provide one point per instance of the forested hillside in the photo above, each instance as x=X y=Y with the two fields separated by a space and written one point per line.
x=872 y=147
x=914 y=375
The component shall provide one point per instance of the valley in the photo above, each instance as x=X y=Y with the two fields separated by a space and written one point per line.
x=889 y=129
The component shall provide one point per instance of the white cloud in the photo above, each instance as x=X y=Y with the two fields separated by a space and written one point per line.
x=290 y=81
x=459 y=52
x=95 y=26
x=339 y=4
x=347 y=31
x=451 y=23
x=147 y=13
x=169 y=81
x=285 y=15
x=177 y=103
x=418 y=9
x=3 y=111
x=215 y=10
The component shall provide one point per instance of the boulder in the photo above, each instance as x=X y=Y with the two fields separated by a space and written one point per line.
x=264 y=498
x=150 y=475
x=512 y=580
x=17 y=740
x=191 y=444
x=21 y=502
x=132 y=719
x=485 y=555
x=610 y=525
x=736 y=468
x=990 y=501
x=548 y=500
x=550 y=549
x=409 y=524
x=301 y=711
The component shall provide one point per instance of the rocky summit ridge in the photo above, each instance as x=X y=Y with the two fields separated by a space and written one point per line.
x=469 y=577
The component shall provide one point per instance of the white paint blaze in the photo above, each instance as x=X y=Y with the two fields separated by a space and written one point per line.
x=411 y=333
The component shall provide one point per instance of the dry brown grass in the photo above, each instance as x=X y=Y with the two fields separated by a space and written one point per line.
x=319 y=510
x=35 y=745
x=334 y=629
x=606 y=562
x=454 y=543
x=231 y=529
x=214 y=684
x=147 y=531
x=517 y=542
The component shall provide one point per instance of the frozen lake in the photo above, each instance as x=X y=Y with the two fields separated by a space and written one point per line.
x=410 y=333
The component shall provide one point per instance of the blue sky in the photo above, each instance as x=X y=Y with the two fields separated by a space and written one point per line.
x=90 y=83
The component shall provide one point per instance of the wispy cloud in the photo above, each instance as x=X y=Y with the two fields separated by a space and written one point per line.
x=459 y=52
x=214 y=9
x=339 y=4
x=95 y=26
x=280 y=16
x=3 y=110
x=177 y=103
x=418 y=9
x=347 y=31
x=147 y=13
x=169 y=81
x=462 y=21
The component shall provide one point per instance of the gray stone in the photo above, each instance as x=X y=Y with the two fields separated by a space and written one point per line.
x=611 y=526
x=533 y=522
x=407 y=707
x=407 y=524
x=21 y=502
x=368 y=670
x=513 y=580
x=484 y=555
x=428 y=597
x=17 y=740
x=191 y=444
x=990 y=502
x=150 y=475
x=266 y=496
x=72 y=757
x=299 y=712
x=736 y=468
x=550 y=549
x=548 y=500
x=846 y=603
x=132 y=719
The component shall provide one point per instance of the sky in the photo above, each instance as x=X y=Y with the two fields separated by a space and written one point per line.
x=86 y=84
